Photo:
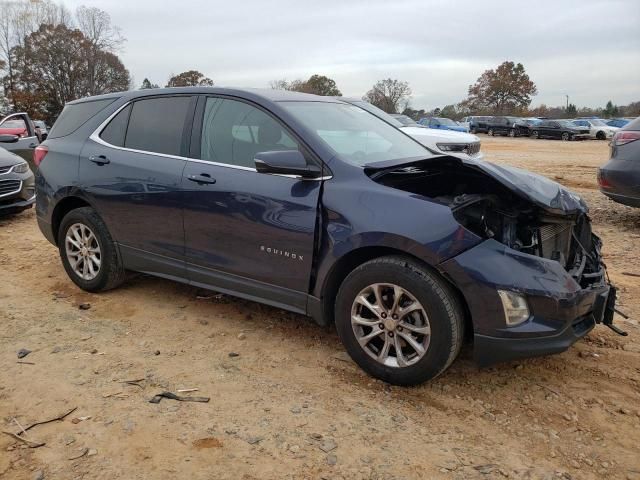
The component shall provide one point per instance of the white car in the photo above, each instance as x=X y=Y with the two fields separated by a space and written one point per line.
x=463 y=145
x=597 y=128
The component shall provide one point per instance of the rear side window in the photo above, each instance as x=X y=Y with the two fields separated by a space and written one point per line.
x=156 y=124
x=75 y=115
x=116 y=130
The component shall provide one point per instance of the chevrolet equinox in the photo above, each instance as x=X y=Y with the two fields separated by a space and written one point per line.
x=316 y=206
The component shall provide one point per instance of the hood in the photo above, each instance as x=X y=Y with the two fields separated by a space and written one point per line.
x=7 y=158
x=445 y=136
x=539 y=190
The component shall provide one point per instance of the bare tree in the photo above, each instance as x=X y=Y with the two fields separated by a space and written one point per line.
x=95 y=24
x=392 y=96
x=18 y=19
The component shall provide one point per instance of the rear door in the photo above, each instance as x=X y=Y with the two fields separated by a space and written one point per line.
x=132 y=171
x=247 y=232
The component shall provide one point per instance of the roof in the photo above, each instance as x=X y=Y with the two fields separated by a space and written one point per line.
x=265 y=93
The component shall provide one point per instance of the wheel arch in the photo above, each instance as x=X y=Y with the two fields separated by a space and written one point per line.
x=61 y=209
x=356 y=257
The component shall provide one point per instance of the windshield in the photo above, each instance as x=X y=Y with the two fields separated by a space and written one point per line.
x=447 y=121
x=354 y=134
x=567 y=123
x=598 y=122
x=378 y=112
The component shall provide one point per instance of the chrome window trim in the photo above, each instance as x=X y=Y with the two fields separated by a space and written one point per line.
x=11 y=193
x=95 y=136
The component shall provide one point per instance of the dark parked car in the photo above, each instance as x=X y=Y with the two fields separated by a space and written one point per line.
x=314 y=205
x=476 y=124
x=560 y=129
x=17 y=188
x=619 y=178
x=511 y=126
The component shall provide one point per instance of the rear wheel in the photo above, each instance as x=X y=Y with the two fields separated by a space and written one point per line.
x=490 y=132
x=398 y=321
x=601 y=135
x=566 y=136
x=89 y=254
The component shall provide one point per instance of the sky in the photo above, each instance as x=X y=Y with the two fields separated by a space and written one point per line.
x=587 y=49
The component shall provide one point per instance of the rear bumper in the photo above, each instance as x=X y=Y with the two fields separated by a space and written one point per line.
x=623 y=199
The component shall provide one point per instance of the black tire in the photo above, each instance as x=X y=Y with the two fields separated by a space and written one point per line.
x=601 y=135
x=535 y=134
x=473 y=130
x=439 y=300
x=111 y=272
x=512 y=132
x=490 y=132
x=566 y=136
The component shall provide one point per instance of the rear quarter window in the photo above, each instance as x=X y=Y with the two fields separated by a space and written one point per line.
x=75 y=115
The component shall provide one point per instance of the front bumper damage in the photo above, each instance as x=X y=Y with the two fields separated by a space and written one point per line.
x=561 y=310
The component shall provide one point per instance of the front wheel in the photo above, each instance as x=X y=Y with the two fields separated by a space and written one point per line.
x=512 y=133
x=601 y=136
x=490 y=132
x=535 y=134
x=398 y=321
x=473 y=130
x=566 y=136
x=89 y=254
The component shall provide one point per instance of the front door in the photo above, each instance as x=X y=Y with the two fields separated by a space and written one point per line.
x=20 y=124
x=247 y=232
x=132 y=172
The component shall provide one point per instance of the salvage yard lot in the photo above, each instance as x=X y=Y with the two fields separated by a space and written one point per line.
x=290 y=404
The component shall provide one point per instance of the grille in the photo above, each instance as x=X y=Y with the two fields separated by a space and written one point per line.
x=7 y=187
x=5 y=169
x=473 y=148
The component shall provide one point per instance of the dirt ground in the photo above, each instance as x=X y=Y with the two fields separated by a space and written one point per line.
x=290 y=404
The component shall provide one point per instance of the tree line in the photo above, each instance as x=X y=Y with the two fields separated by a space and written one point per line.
x=49 y=56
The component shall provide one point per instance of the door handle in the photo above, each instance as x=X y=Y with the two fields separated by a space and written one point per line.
x=33 y=145
x=99 y=159
x=202 y=179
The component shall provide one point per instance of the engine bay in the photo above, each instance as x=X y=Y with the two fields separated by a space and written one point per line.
x=490 y=210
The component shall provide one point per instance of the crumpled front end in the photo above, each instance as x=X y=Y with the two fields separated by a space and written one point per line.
x=537 y=283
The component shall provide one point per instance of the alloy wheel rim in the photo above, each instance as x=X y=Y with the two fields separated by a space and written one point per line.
x=390 y=325
x=83 y=251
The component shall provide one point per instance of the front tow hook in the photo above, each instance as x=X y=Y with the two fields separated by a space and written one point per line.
x=610 y=324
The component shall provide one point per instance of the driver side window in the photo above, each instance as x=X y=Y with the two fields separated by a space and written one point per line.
x=233 y=132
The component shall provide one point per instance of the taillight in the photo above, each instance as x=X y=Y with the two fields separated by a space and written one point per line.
x=39 y=153
x=625 y=136
x=602 y=181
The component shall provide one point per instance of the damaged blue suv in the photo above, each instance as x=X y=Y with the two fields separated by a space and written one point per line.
x=318 y=207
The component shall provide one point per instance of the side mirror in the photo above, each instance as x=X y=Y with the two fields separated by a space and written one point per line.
x=9 y=138
x=286 y=162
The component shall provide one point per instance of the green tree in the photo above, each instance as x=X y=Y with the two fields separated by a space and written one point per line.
x=52 y=68
x=571 y=110
x=610 y=110
x=389 y=95
x=190 y=78
x=507 y=89
x=146 y=84
x=316 y=84
x=450 y=111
